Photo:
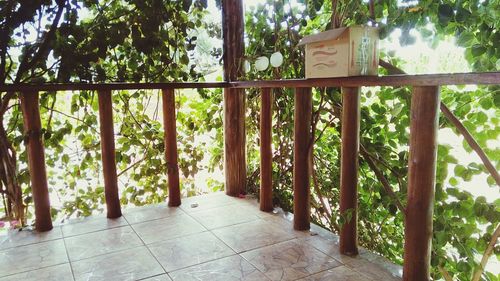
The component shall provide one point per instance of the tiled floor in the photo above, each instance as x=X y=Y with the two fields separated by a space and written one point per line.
x=223 y=238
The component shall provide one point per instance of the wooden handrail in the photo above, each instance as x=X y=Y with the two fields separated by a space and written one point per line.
x=112 y=86
x=483 y=78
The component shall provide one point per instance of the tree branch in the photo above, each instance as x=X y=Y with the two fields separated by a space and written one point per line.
x=445 y=273
x=27 y=64
x=472 y=142
x=133 y=165
x=486 y=255
x=458 y=125
x=381 y=178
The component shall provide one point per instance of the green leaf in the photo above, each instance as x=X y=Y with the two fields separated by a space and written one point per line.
x=465 y=38
x=477 y=50
x=445 y=13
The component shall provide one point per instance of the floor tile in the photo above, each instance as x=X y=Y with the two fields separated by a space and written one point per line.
x=167 y=228
x=163 y=277
x=61 y=272
x=132 y=264
x=329 y=246
x=189 y=250
x=178 y=242
x=151 y=212
x=289 y=260
x=373 y=270
x=90 y=224
x=101 y=242
x=15 y=237
x=341 y=273
x=366 y=262
x=232 y=268
x=225 y=216
x=254 y=234
x=30 y=257
x=206 y=202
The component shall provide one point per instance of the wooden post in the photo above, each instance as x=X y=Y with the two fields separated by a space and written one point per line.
x=349 y=171
x=36 y=160
x=421 y=182
x=266 y=153
x=108 y=154
x=170 y=136
x=234 y=99
x=301 y=150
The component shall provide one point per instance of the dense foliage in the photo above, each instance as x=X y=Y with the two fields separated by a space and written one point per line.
x=464 y=225
x=154 y=40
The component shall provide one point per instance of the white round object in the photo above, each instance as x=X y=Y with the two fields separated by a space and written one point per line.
x=262 y=63
x=276 y=59
x=246 y=66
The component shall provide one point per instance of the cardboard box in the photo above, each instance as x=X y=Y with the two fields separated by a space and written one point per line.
x=340 y=52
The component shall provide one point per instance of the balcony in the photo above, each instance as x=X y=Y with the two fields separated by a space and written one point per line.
x=223 y=238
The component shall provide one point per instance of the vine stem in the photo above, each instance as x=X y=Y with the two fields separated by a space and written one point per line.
x=486 y=255
x=445 y=273
x=385 y=183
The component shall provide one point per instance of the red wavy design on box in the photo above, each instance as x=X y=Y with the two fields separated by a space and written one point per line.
x=326 y=53
x=330 y=64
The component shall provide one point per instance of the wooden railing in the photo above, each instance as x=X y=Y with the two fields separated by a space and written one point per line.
x=422 y=159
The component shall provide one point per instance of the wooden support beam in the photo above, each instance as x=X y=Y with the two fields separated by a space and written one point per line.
x=36 y=160
x=266 y=153
x=170 y=136
x=232 y=32
x=235 y=169
x=349 y=171
x=301 y=154
x=108 y=154
x=424 y=117
x=234 y=99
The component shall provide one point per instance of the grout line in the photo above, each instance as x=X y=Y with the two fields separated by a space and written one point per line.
x=149 y=250
x=149 y=220
x=111 y=251
x=152 y=276
x=93 y=231
x=30 y=270
x=202 y=263
x=69 y=260
x=32 y=243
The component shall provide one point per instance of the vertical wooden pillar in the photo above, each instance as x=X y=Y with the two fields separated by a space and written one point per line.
x=266 y=153
x=170 y=137
x=349 y=171
x=108 y=154
x=234 y=99
x=301 y=150
x=421 y=182
x=36 y=160
x=234 y=142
